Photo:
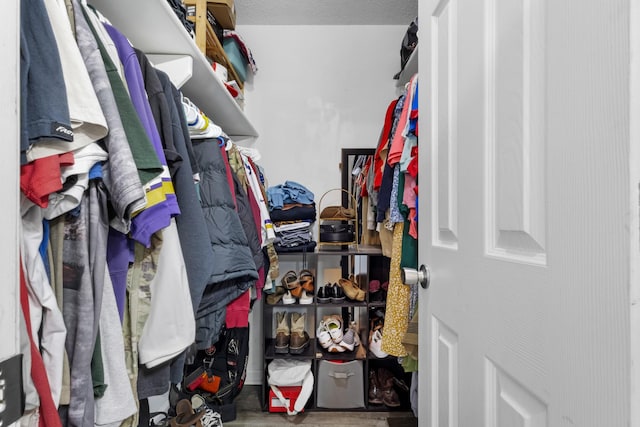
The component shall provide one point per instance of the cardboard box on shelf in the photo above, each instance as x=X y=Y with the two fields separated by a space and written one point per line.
x=224 y=11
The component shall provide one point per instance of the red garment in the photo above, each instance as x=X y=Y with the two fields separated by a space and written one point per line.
x=256 y=172
x=362 y=179
x=412 y=167
x=42 y=177
x=238 y=311
x=48 y=412
x=378 y=161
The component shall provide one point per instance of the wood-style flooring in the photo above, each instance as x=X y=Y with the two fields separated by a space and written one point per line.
x=250 y=414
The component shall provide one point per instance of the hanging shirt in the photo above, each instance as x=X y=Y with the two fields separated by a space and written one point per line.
x=87 y=120
x=44 y=108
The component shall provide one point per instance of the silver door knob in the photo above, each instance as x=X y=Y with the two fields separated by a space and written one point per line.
x=411 y=276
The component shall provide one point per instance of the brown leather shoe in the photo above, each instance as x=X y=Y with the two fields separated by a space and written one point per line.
x=375 y=394
x=389 y=396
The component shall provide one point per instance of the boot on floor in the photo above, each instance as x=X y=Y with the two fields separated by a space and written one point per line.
x=389 y=396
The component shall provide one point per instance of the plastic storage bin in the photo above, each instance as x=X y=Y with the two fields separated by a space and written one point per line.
x=340 y=385
x=236 y=57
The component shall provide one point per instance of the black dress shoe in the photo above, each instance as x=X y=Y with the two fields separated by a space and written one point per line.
x=324 y=293
x=337 y=294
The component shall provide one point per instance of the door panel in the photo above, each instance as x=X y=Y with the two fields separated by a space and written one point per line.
x=525 y=219
x=444 y=151
x=509 y=404
x=444 y=391
x=514 y=92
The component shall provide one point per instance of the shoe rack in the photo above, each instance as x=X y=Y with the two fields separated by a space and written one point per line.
x=364 y=264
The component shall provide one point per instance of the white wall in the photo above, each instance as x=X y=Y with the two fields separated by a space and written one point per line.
x=318 y=89
x=9 y=121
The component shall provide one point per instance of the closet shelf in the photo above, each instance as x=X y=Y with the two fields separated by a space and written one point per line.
x=179 y=68
x=152 y=27
x=410 y=68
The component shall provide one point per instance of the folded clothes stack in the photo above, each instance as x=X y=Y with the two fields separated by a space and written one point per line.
x=292 y=210
x=294 y=236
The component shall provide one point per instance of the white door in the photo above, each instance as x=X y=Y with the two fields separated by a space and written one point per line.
x=529 y=213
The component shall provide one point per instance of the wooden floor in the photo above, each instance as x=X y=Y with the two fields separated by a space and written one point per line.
x=250 y=414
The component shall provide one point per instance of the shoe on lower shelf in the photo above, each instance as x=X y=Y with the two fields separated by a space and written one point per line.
x=299 y=337
x=323 y=335
x=375 y=394
x=348 y=340
x=283 y=335
x=375 y=344
x=333 y=323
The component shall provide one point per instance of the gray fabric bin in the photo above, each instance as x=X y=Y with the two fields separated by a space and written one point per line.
x=340 y=385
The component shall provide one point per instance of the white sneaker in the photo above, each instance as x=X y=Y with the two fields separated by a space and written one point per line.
x=348 y=340
x=210 y=418
x=375 y=344
x=335 y=348
x=334 y=325
x=324 y=338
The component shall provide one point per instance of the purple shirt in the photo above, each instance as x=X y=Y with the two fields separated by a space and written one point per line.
x=142 y=228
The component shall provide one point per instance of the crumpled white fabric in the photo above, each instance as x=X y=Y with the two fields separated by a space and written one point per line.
x=171 y=326
x=45 y=315
x=285 y=372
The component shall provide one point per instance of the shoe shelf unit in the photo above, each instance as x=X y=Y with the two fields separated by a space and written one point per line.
x=363 y=265
x=152 y=26
x=206 y=39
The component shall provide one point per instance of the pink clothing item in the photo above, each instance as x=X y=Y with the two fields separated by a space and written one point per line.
x=409 y=193
x=409 y=198
x=413 y=223
x=397 y=143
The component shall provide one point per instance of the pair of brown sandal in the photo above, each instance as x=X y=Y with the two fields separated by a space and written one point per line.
x=296 y=283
